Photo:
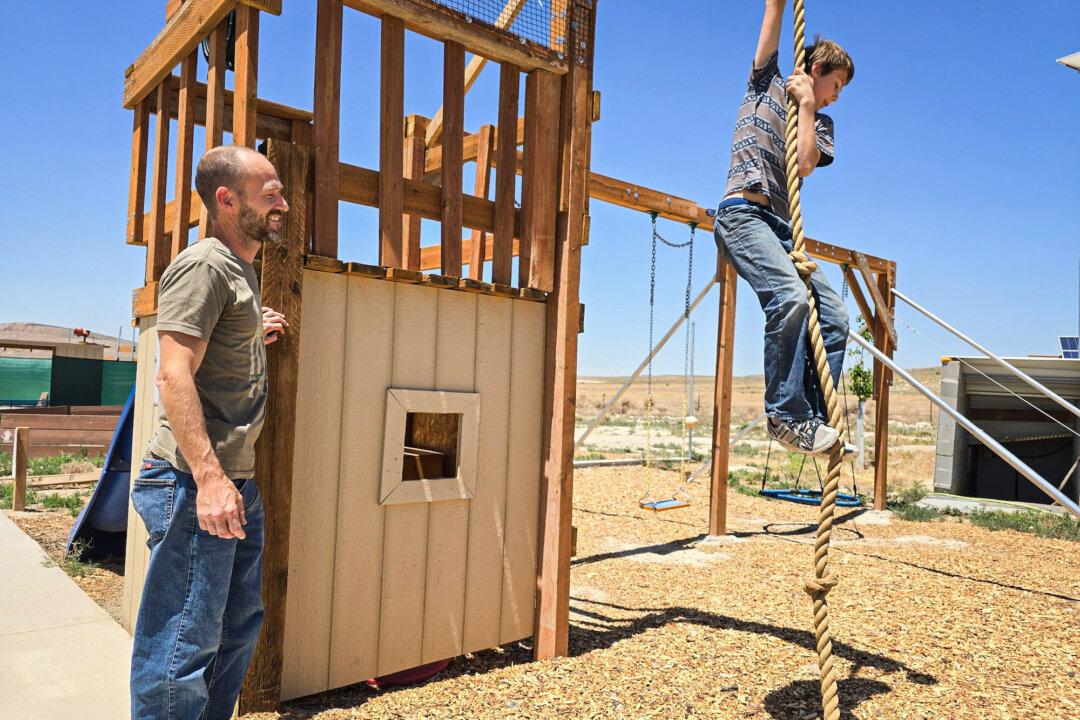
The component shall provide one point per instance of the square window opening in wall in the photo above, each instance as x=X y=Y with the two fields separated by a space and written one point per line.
x=430 y=446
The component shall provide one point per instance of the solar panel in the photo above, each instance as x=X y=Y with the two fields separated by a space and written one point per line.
x=1070 y=347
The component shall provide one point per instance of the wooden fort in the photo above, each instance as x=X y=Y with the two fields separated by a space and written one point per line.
x=416 y=463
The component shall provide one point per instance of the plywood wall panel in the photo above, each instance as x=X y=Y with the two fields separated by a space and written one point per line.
x=448 y=520
x=523 y=488
x=405 y=533
x=305 y=666
x=483 y=593
x=354 y=642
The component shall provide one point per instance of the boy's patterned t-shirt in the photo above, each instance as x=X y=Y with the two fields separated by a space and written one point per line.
x=757 y=148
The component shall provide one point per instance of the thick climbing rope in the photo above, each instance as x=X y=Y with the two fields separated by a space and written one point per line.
x=824 y=580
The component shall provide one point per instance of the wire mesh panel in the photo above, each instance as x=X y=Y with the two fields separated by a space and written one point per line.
x=563 y=26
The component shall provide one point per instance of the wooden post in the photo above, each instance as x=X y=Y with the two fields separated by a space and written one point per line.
x=560 y=370
x=882 y=382
x=140 y=136
x=282 y=288
x=157 y=250
x=391 y=151
x=185 y=145
x=246 y=76
x=215 y=107
x=477 y=251
x=327 y=121
x=453 y=132
x=725 y=350
x=506 y=178
x=540 y=181
x=18 y=466
x=413 y=167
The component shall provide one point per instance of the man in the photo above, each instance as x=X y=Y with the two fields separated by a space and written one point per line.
x=201 y=606
x=753 y=228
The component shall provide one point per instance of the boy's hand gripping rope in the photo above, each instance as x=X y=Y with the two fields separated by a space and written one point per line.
x=824 y=580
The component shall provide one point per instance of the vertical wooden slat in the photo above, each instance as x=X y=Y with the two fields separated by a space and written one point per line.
x=725 y=348
x=559 y=24
x=391 y=152
x=319 y=388
x=185 y=145
x=448 y=520
x=487 y=516
x=506 y=177
x=246 y=77
x=140 y=136
x=882 y=381
x=405 y=529
x=560 y=371
x=215 y=107
x=539 y=189
x=18 y=467
x=484 y=144
x=413 y=166
x=369 y=347
x=282 y=287
x=157 y=249
x=453 y=133
x=327 y=121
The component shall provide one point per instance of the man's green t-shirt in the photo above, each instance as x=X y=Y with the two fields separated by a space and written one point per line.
x=209 y=293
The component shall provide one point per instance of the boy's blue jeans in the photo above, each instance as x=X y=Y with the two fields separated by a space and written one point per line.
x=201 y=605
x=757 y=242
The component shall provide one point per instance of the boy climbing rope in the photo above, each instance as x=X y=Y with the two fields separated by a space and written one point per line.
x=753 y=228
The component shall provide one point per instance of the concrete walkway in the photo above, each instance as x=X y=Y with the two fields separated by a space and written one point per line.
x=61 y=655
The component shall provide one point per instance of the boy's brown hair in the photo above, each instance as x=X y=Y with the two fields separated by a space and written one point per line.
x=830 y=56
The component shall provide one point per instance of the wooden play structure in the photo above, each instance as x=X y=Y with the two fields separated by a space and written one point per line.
x=416 y=462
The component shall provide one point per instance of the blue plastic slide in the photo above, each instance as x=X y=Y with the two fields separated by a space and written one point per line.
x=101 y=528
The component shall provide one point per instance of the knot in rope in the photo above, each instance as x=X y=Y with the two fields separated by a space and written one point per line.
x=803 y=264
x=821 y=585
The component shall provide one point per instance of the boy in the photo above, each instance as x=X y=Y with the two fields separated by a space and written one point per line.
x=753 y=228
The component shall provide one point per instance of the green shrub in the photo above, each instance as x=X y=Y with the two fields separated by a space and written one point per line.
x=1043 y=524
x=72 y=503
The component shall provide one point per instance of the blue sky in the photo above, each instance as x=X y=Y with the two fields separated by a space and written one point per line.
x=955 y=156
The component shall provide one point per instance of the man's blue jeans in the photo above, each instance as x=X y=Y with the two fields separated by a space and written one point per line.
x=201 y=605
x=757 y=242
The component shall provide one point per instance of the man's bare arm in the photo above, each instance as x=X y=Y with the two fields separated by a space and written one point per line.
x=219 y=506
x=769 y=39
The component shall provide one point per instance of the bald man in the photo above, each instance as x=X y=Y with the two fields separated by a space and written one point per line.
x=201 y=607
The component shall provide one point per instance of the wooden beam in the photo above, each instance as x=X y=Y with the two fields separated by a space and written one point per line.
x=882 y=383
x=725 y=352
x=540 y=180
x=157 y=249
x=18 y=466
x=140 y=136
x=881 y=307
x=470 y=146
x=413 y=166
x=506 y=18
x=185 y=146
x=454 y=105
x=327 y=121
x=506 y=182
x=431 y=255
x=282 y=289
x=860 y=298
x=439 y=22
x=391 y=152
x=215 y=107
x=185 y=30
x=482 y=188
x=361 y=186
x=246 y=76
x=551 y=625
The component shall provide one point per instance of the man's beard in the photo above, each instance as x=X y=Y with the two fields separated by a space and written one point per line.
x=257 y=229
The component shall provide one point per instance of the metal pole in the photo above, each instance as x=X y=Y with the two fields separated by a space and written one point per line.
x=644 y=364
x=734 y=441
x=997 y=448
x=1004 y=363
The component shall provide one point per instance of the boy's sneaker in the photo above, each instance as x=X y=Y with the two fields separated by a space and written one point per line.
x=811 y=436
